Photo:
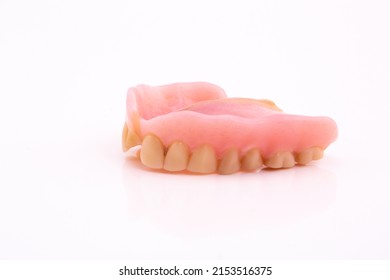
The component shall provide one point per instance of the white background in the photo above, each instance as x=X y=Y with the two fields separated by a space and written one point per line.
x=67 y=190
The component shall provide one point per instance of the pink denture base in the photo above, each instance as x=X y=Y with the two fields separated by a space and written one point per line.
x=200 y=113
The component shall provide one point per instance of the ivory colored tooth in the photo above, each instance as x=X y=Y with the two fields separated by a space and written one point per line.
x=152 y=152
x=203 y=160
x=281 y=160
x=289 y=160
x=124 y=137
x=177 y=157
x=313 y=153
x=138 y=154
x=251 y=160
x=269 y=104
x=230 y=162
x=318 y=153
x=305 y=156
x=129 y=138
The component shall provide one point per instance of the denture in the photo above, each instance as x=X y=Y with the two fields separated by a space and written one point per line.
x=195 y=127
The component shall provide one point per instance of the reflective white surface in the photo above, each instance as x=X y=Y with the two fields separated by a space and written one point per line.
x=67 y=190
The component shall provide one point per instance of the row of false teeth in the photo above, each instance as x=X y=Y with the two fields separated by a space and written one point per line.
x=203 y=159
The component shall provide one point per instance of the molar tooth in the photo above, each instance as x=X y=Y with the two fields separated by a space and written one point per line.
x=138 y=154
x=288 y=160
x=305 y=156
x=318 y=153
x=269 y=104
x=281 y=160
x=203 y=160
x=230 y=162
x=177 y=157
x=152 y=152
x=252 y=160
x=313 y=153
x=129 y=138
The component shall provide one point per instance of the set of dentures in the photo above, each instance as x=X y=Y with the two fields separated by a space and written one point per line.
x=195 y=127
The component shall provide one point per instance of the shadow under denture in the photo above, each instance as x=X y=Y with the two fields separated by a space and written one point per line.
x=203 y=159
x=190 y=205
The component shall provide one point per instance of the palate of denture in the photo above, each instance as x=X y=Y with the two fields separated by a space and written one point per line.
x=195 y=127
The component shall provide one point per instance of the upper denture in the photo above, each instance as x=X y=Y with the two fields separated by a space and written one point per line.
x=200 y=114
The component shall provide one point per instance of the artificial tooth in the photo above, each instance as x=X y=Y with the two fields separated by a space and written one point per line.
x=152 y=152
x=269 y=104
x=305 y=156
x=230 y=162
x=129 y=138
x=124 y=138
x=313 y=153
x=281 y=160
x=203 y=160
x=318 y=153
x=251 y=160
x=289 y=160
x=138 y=154
x=177 y=157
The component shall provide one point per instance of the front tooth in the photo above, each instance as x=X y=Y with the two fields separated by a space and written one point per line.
x=252 y=160
x=230 y=162
x=281 y=160
x=152 y=152
x=203 y=160
x=129 y=138
x=313 y=153
x=177 y=157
